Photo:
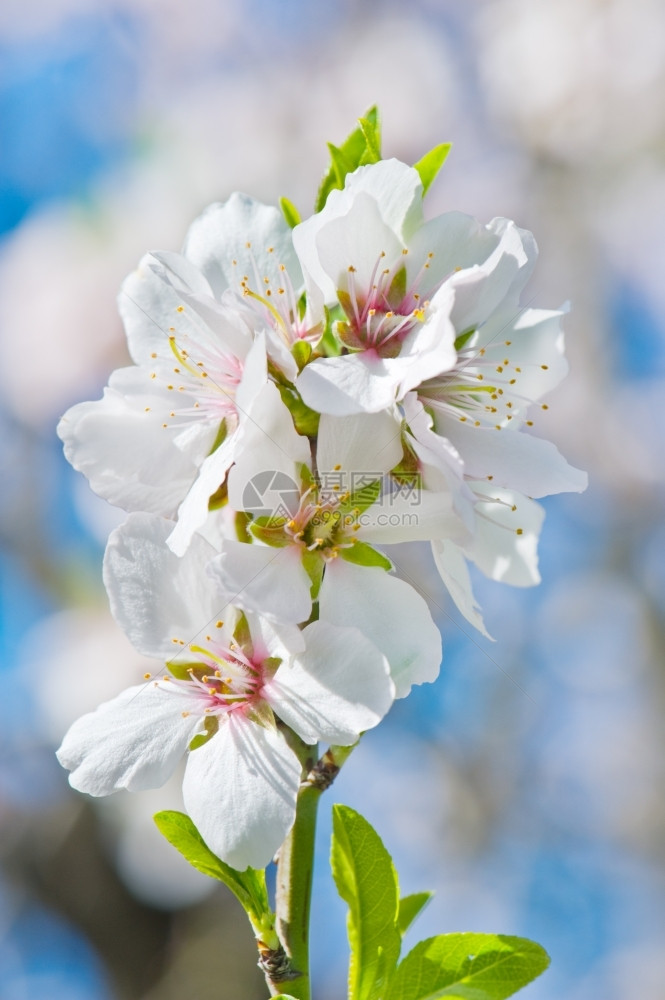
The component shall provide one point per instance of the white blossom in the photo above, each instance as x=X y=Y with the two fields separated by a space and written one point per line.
x=228 y=684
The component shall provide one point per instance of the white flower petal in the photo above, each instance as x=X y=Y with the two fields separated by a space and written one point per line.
x=270 y=444
x=390 y=613
x=120 y=444
x=393 y=186
x=421 y=516
x=514 y=459
x=232 y=240
x=505 y=542
x=339 y=687
x=456 y=241
x=240 y=789
x=155 y=596
x=354 y=383
x=368 y=443
x=166 y=295
x=351 y=247
x=134 y=741
x=193 y=511
x=481 y=289
x=454 y=572
x=269 y=581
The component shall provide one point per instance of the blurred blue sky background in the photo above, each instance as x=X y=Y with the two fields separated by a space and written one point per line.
x=526 y=786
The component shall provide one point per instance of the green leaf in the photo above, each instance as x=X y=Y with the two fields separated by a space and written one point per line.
x=367 y=881
x=370 y=130
x=430 y=164
x=249 y=887
x=363 y=554
x=467 y=967
x=290 y=212
x=348 y=157
x=410 y=907
x=340 y=165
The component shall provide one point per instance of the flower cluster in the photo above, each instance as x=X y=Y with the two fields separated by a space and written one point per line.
x=300 y=396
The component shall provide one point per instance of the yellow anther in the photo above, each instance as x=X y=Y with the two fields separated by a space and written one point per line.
x=146 y=677
x=519 y=531
x=219 y=624
x=154 y=354
x=337 y=467
x=180 y=309
x=544 y=367
x=351 y=269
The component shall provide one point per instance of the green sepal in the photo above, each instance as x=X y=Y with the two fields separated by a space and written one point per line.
x=410 y=907
x=313 y=564
x=407 y=469
x=329 y=346
x=269 y=530
x=249 y=887
x=219 y=498
x=262 y=715
x=305 y=475
x=220 y=437
x=347 y=157
x=211 y=726
x=181 y=670
x=305 y=420
x=290 y=213
x=363 y=554
x=302 y=352
x=241 y=522
x=464 y=338
x=397 y=289
x=463 y=966
x=430 y=164
x=362 y=498
x=367 y=881
x=242 y=635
